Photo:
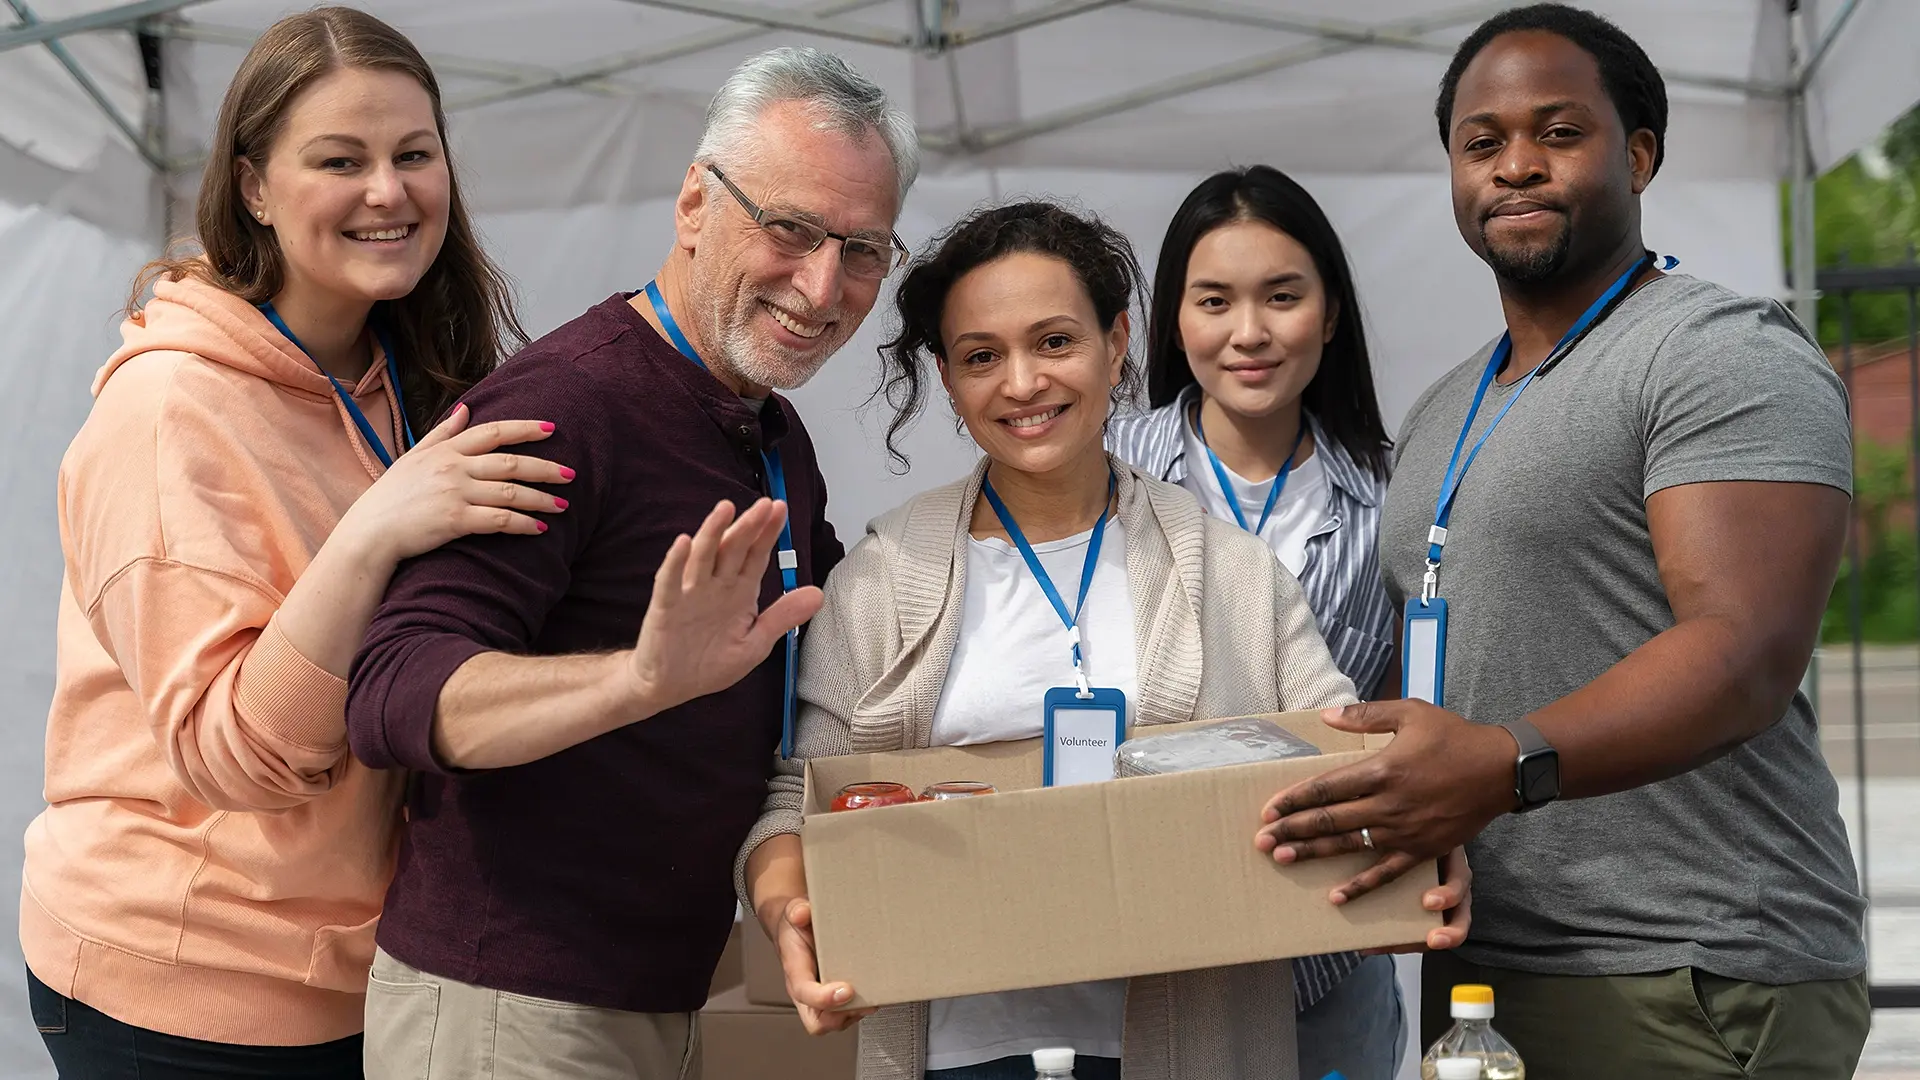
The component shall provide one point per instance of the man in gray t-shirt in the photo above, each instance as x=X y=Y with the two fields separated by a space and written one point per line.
x=1633 y=570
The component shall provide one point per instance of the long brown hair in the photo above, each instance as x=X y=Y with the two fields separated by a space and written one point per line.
x=453 y=328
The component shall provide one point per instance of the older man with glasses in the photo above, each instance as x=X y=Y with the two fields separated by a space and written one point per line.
x=589 y=714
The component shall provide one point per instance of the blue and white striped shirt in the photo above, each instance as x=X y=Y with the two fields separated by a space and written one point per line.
x=1341 y=579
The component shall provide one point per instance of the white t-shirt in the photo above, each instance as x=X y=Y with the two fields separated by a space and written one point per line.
x=1012 y=650
x=1300 y=512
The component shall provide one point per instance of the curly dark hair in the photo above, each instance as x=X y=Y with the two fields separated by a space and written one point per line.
x=1639 y=93
x=1099 y=256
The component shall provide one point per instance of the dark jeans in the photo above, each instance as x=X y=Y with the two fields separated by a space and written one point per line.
x=1021 y=1068
x=87 y=1044
x=1684 y=1023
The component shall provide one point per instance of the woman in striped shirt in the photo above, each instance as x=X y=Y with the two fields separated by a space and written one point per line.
x=1264 y=409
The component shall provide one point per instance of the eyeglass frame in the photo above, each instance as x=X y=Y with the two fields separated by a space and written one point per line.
x=761 y=216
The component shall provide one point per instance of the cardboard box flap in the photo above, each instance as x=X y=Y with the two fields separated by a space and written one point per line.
x=1016 y=766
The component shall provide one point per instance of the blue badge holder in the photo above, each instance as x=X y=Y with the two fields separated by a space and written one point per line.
x=787 y=695
x=1063 y=698
x=1424 y=620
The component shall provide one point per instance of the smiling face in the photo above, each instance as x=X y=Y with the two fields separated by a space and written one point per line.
x=1545 y=179
x=355 y=187
x=771 y=318
x=1030 y=369
x=1254 y=318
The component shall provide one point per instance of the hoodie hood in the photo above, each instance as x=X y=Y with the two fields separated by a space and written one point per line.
x=193 y=316
x=205 y=321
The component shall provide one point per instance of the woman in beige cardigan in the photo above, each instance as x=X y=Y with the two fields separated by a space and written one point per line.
x=936 y=631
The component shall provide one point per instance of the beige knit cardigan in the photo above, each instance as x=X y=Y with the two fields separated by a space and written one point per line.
x=1221 y=630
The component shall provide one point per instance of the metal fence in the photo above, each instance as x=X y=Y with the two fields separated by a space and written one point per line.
x=1845 y=286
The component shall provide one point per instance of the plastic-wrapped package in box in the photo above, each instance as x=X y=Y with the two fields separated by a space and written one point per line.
x=1232 y=742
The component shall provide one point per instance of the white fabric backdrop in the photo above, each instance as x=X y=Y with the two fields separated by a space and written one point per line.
x=62 y=284
x=1311 y=107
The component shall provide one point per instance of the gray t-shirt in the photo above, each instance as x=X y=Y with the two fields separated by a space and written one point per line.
x=1740 y=867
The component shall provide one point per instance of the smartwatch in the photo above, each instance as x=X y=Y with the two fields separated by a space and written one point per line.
x=1536 y=771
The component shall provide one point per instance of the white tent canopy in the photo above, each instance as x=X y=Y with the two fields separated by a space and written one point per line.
x=573 y=121
x=570 y=116
x=575 y=102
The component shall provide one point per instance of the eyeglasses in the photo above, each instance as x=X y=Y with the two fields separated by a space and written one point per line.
x=861 y=257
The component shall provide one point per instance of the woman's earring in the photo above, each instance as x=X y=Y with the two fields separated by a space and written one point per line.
x=261 y=214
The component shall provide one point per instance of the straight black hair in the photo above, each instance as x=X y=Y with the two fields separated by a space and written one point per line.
x=1340 y=396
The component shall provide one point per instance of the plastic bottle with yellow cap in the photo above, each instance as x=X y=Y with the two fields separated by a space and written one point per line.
x=1473 y=1038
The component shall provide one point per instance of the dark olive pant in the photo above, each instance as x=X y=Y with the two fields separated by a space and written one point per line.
x=1683 y=1023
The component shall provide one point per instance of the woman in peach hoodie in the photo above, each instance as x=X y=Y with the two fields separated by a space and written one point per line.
x=200 y=894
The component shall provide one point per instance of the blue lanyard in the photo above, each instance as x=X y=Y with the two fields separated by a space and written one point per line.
x=1226 y=487
x=777 y=488
x=1071 y=619
x=1456 y=468
x=353 y=409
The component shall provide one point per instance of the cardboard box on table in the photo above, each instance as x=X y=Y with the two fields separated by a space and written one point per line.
x=1042 y=886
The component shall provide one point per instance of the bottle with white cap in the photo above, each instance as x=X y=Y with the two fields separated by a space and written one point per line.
x=1053 y=1064
x=1472 y=1040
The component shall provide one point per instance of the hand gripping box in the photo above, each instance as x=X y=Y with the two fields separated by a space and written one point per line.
x=1042 y=886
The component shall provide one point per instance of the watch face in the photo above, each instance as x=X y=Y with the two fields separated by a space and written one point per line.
x=1540 y=778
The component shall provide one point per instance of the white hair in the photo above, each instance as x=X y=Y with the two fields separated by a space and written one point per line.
x=841 y=99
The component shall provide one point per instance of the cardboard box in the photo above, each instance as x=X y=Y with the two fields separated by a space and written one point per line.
x=728 y=974
x=1043 y=886
x=743 y=1041
x=765 y=982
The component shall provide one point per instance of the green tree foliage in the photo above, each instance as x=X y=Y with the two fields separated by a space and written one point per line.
x=1889 y=562
x=1867 y=213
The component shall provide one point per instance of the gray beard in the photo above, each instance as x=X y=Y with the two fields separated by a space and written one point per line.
x=737 y=345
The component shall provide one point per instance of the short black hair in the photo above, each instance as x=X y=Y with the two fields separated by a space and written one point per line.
x=1340 y=395
x=1639 y=93
x=1097 y=253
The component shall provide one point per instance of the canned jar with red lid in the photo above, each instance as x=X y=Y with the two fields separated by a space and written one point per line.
x=872 y=793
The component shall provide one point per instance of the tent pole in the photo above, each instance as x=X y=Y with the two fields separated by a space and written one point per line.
x=1802 y=269
x=153 y=62
x=28 y=21
x=1806 y=298
x=1800 y=176
x=608 y=66
x=768 y=17
x=106 y=19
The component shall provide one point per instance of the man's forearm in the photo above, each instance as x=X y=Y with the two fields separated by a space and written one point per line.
x=499 y=710
x=1686 y=697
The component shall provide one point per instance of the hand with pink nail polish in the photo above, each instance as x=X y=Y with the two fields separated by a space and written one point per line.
x=452 y=483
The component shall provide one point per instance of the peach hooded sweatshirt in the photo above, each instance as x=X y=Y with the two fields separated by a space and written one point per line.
x=212 y=860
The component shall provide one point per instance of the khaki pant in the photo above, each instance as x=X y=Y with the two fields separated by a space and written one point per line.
x=1681 y=1024
x=424 y=1027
